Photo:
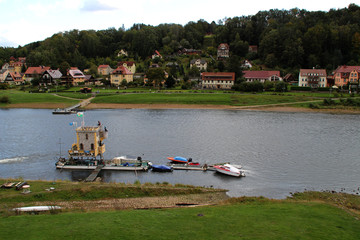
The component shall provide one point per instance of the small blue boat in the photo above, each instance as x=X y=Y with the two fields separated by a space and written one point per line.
x=161 y=168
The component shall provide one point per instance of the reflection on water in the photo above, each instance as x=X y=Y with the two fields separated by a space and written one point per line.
x=280 y=152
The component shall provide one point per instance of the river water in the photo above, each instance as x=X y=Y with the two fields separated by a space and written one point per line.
x=280 y=152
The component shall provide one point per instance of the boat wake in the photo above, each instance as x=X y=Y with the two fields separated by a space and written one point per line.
x=11 y=160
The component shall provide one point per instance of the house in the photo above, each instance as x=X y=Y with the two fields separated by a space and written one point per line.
x=3 y=74
x=104 y=70
x=122 y=52
x=346 y=74
x=223 y=51
x=14 y=78
x=217 y=80
x=156 y=54
x=76 y=76
x=130 y=65
x=289 y=78
x=253 y=49
x=34 y=72
x=187 y=51
x=246 y=64
x=313 y=78
x=172 y=65
x=51 y=77
x=199 y=63
x=120 y=74
x=16 y=66
x=262 y=76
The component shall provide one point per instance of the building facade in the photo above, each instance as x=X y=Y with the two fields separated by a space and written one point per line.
x=223 y=51
x=313 y=78
x=120 y=74
x=344 y=75
x=217 y=80
x=199 y=63
x=262 y=76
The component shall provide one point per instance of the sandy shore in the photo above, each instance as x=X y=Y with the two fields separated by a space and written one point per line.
x=275 y=108
x=272 y=108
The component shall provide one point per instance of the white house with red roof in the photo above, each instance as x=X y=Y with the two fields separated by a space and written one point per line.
x=312 y=78
x=76 y=76
x=14 y=78
x=34 y=72
x=120 y=74
x=262 y=76
x=223 y=51
x=156 y=54
x=104 y=70
x=346 y=74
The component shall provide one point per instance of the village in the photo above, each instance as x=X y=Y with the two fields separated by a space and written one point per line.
x=17 y=73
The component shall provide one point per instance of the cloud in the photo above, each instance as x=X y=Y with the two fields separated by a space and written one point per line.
x=96 y=6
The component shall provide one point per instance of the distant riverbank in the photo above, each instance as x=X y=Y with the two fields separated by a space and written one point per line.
x=270 y=108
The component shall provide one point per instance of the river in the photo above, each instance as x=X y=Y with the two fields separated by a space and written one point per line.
x=280 y=152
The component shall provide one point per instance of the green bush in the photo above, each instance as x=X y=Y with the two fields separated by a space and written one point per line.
x=5 y=99
x=329 y=102
x=314 y=106
x=296 y=88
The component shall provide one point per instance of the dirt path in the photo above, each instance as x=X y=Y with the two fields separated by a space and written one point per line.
x=144 y=202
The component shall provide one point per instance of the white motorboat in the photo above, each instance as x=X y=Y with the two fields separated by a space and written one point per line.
x=230 y=170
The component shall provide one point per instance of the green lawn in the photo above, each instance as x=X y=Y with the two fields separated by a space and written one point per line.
x=251 y=220
x=201 y=98
x=26 y=97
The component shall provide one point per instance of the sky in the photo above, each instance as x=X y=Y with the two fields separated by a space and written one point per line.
x=26 y=21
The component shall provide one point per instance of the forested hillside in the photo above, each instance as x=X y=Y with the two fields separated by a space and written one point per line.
x=287 y=40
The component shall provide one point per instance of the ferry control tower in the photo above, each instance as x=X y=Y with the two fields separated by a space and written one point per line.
x=89 y=145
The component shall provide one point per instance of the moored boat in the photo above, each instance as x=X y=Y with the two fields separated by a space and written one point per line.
x=161 y=168
x=229 y=169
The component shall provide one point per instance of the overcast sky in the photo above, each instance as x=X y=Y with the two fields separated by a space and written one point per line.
x=26 y=21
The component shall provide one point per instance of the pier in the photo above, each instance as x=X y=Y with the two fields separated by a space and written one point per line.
x=94 y=174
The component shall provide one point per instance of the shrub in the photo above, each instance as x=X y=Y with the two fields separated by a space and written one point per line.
x=328 y=102
x=4 y=99
x=314 y=106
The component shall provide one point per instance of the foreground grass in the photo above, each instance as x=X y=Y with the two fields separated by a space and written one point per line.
x=254 y=218
x=18 y=97
x=76 y=191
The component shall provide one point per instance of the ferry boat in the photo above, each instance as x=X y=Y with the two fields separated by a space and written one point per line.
x=87 y=153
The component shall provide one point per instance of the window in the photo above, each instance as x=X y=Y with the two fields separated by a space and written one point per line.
x=87 y=137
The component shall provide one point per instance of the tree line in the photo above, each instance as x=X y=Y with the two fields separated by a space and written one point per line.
x=287 y=40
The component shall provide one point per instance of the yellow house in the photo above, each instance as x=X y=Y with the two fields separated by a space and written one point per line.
x=119 y=74
x=130 y=65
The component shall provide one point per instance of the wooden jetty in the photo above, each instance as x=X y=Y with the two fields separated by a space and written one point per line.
x=94 y=174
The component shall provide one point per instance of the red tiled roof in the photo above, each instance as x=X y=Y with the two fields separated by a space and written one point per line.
x=347 y=69
x=229 y=75
x=36 y=70
x=223 y=45
x=103 y=66
x=122 y=70
x=306 y=72
x=260 y=74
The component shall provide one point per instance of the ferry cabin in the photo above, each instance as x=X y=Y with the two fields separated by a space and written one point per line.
x=89 y=143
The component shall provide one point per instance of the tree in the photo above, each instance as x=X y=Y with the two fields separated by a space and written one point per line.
x=156 y=76
x=170 y=82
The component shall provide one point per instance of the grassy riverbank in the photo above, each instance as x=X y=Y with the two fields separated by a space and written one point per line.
x=34 y=100
x=309 y=215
